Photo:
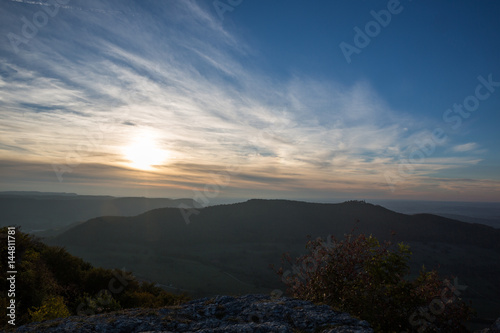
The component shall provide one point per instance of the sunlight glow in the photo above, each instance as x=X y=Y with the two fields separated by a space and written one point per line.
x=143 y=153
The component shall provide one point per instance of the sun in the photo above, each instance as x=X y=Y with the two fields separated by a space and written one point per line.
x=144 y=153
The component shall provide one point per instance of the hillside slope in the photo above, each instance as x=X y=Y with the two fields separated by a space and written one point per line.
x=38 y=211
x=277 y=220
x=227 y=249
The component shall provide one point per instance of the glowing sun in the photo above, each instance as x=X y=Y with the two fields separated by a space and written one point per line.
x=144 y=153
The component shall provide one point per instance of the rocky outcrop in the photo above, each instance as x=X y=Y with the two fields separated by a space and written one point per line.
x=250 y=313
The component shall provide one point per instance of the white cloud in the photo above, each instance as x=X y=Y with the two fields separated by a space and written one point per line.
x=465 y=147
x=207 y=105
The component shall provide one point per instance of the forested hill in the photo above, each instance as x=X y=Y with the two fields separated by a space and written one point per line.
x=35 y=211
x=277 y=220
x=227 y=249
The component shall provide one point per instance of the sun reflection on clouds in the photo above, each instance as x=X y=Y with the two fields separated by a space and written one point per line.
x=143 y=151
x=175 y=111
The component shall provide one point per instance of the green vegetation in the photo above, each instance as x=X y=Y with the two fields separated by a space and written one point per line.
x=52 y=308
x=226 y=251
x=51 y=283
x=240 y=241
x=367 y=279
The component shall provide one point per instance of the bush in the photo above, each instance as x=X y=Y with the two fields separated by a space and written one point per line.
x=367 y=279
x=53 y=283
x=147 y=294
x=51 y=308
x=102 y=302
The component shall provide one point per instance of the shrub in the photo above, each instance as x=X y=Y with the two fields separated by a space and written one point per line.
x=57 y=284
x=51 y=308
x=143 y=299
x=367 y=279
x=147 y=294
x=102 y=302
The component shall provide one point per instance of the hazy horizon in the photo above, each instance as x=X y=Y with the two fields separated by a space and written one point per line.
x=453 y=209
x=218 y=200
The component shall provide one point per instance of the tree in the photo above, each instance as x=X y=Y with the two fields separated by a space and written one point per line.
x=369 y=280
x=53 y=283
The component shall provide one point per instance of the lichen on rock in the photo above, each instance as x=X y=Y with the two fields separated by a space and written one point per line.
x=250 y=313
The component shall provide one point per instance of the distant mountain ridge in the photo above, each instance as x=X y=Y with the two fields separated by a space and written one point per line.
x=281 y=220
x=36 y=193
x=487 y=213
x=45 y=210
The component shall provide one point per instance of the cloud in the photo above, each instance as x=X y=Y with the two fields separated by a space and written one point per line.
x=187 y=79
x=465 y=147
x=59 y=5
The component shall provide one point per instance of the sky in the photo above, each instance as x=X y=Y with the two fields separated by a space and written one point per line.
x=251 y=99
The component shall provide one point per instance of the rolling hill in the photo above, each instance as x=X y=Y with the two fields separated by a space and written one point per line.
x=43 y=211
x=227 y=248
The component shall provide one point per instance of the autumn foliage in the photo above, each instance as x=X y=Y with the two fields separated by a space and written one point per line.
x=367 y=279
x=51 y=283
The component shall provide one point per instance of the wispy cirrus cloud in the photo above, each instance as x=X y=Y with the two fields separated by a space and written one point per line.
x=465 y=147
x=187 y=80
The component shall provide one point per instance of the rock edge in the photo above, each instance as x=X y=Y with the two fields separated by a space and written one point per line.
x=250 y=313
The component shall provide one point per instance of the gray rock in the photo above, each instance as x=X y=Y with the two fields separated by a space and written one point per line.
x=221 y=314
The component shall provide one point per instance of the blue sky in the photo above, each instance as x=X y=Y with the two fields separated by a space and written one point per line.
x=242 y=99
